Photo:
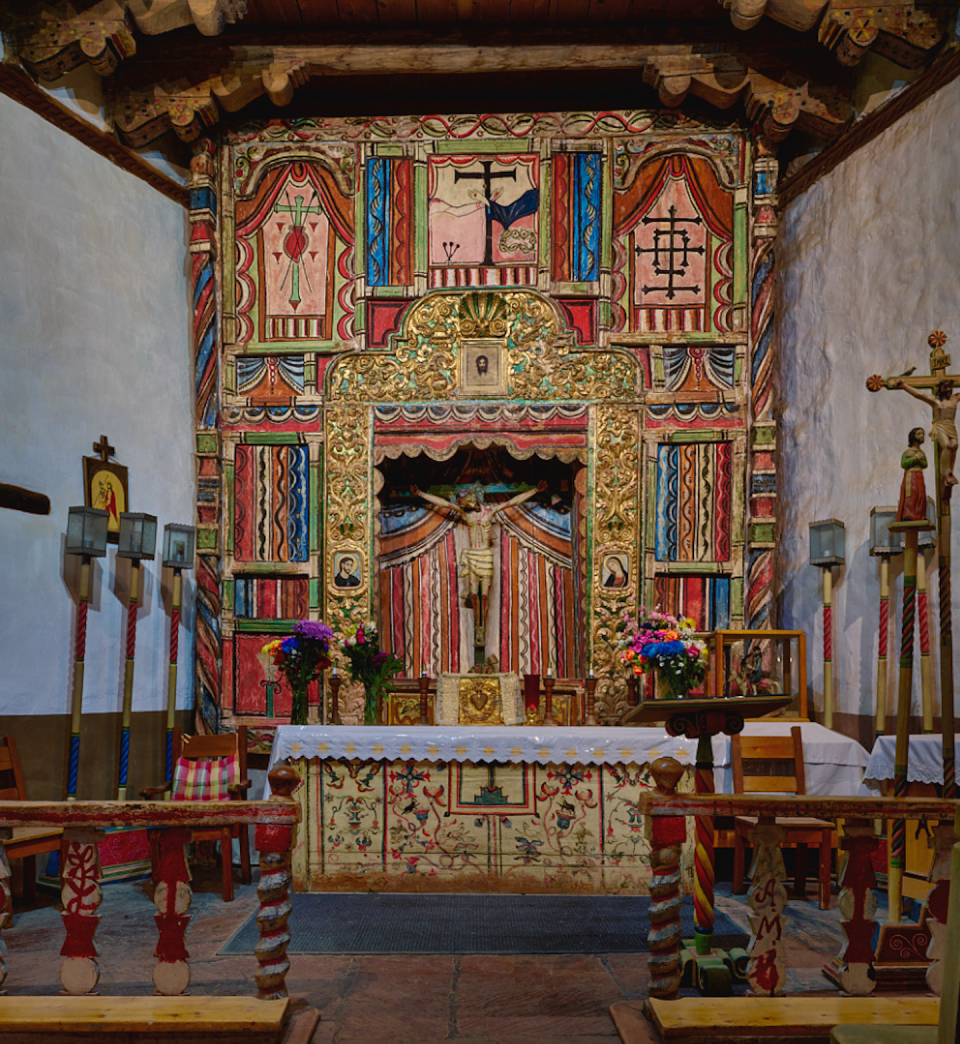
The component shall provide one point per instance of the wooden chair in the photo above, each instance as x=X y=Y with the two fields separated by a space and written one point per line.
x=197 y=756
x=27 y=842
x=774 y=765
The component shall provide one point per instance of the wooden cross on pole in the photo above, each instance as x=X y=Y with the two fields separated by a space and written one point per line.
x=944 y=433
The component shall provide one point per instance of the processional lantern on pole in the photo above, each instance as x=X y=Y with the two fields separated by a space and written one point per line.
x=86 y=537
x=179 y=543
x=883 y=545
x=137 y=541
x=827 y=549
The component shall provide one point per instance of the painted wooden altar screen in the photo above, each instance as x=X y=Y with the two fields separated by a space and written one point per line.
x=611 y=270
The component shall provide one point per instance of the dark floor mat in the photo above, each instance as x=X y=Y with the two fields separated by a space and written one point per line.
x=391 y=923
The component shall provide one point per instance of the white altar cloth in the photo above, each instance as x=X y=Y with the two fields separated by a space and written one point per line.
x=546 y=746
x=834 y=763
x=924 y=761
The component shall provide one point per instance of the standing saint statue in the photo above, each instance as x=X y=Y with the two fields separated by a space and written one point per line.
x=944 y=430
x=913 y=490
x=476 y=561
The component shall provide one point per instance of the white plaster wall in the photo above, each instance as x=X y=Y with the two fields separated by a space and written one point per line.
x=869 y=265
x=94 y=339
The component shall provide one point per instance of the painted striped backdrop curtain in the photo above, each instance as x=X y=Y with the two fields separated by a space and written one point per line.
x=694 y=488
x=271 y=497
x=532 y=619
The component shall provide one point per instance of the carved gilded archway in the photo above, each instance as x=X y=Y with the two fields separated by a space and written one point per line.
x=538 y=362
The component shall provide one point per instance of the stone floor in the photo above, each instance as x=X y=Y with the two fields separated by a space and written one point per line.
x=480 y=999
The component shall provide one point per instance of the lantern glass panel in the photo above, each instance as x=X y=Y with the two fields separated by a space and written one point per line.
x=827 y=543
x=882 y=541
x=87 y=531
x=178 y=546
x=928 y=538
x=138 y=535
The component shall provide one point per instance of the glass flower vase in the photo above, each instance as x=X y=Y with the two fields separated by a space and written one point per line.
x=298 y=709
x=670 y=687
x=371 y=703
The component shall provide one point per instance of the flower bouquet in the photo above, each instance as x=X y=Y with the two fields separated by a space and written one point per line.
x=660 y=644
x=369 y=665
x=300 y=658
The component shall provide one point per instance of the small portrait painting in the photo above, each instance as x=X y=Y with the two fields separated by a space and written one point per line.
x=346 y=570
x=615 y=570
x=105 y=487
x=482 y=369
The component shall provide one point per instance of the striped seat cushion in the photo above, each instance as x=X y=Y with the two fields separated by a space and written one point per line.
x=205 y=780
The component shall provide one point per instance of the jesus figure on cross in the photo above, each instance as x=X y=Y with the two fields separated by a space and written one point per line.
x=944 y=430
x=476 y=561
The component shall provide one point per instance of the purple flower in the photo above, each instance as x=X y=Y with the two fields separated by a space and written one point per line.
x=315 y=631
x=379 y=659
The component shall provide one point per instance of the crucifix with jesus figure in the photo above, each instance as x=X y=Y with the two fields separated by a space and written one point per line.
x=943 y=402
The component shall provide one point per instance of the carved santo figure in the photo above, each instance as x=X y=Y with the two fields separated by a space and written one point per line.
x=476 y=561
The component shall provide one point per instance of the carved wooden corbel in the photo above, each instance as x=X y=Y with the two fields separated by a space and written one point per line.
x=897 y=31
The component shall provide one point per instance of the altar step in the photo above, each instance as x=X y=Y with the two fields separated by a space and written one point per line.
x=798 y=1019
x=154 y=1020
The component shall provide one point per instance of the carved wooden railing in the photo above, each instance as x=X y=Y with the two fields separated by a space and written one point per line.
x=767 y=896
x=83 y=825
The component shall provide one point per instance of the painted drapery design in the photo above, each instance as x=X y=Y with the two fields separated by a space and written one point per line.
x=674 y=225
x=271 y=501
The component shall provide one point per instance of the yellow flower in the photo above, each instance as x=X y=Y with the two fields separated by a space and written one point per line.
x=271 y=647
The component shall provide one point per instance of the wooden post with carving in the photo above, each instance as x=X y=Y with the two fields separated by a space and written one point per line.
x=666 y=835
x=944 y=837
x=858 y=907
x=81 y=895
x=274 y=844
x=172 y=896
x=766 y=969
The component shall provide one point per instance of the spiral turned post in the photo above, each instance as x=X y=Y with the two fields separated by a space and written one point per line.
x=274 y=844
x=666 y=835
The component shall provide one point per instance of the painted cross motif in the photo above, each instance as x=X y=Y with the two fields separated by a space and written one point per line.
x=295 y=243
x=487 y=177
x=671 y=252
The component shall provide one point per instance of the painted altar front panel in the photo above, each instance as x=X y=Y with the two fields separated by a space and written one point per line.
x=457 y=826
x=598 y=265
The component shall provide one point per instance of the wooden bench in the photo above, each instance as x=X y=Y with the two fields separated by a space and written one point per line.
x=154 y=1020
x=694 y=1020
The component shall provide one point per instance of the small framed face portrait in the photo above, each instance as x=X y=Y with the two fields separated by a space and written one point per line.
x=347 y=570
x=105 y=487
x=615 y=569
x=483 y=368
